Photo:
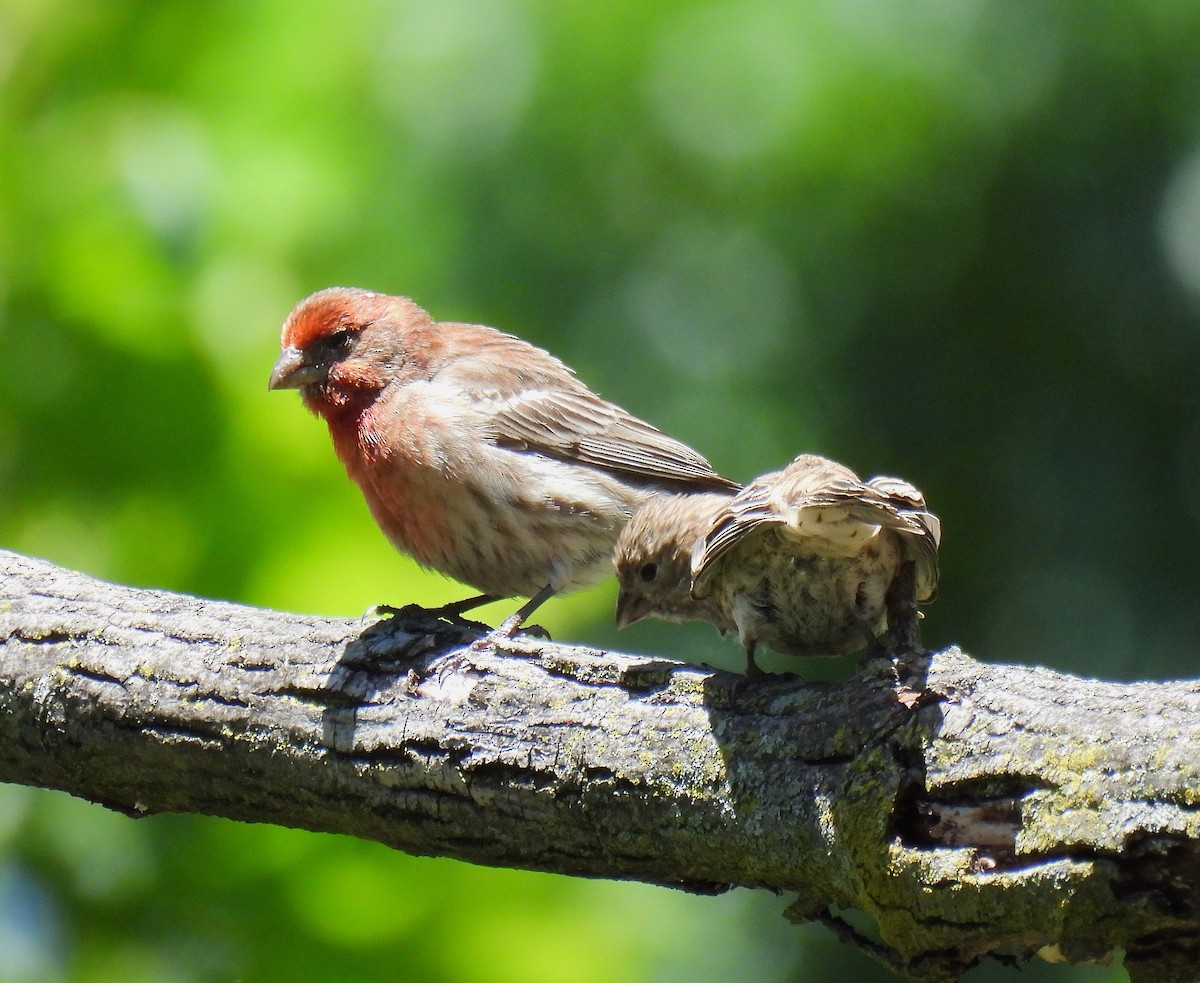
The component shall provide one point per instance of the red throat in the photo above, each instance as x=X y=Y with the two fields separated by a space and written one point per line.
x=400 y=502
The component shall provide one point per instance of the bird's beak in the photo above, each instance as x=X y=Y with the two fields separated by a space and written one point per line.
x=631 y=608
x=293 y=370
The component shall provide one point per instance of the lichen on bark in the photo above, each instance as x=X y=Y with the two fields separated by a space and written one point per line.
x=970 y=809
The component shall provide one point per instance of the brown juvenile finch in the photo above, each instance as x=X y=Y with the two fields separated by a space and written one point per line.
x=810 y=560
x=479 y=454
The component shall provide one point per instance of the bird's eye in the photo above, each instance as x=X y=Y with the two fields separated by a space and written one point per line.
x=648 y=572
x=337 y=346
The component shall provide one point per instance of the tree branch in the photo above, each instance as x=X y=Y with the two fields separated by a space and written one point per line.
x=971 y=809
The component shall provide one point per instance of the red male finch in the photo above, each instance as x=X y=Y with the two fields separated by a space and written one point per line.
x=810 y=560
x=479 y=455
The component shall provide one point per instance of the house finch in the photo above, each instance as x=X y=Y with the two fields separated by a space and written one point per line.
x=479 y=454
x=810 y=560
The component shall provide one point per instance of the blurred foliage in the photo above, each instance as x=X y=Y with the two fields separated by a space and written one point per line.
x=959 y=242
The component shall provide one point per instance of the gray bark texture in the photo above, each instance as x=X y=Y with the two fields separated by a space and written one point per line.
x=970 y=809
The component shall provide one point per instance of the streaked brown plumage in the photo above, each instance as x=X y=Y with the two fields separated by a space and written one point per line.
x=810 y=560
x=479 y=454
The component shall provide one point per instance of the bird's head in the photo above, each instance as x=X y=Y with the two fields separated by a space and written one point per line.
x=343 y=345
x=653 y=557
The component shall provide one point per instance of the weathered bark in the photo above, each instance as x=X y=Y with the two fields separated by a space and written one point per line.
x=971 y=809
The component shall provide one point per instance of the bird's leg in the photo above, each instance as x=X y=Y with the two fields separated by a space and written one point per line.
x=455 y=609
x=754 y=673
x=752 y=668
x=902 y=615
x=905 y=643
x=512 y=624
x=450 y=612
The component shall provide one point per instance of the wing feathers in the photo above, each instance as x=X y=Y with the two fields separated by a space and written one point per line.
x=546 y=410
x=827 y=509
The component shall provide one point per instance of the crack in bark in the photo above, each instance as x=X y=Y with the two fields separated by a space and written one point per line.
x=49 y=636
x=91 y=675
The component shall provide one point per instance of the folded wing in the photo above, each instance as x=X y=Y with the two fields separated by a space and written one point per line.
x=546 y=410
x=828 y=511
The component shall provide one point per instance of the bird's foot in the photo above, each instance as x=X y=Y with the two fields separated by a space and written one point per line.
x=766 y=676
x=445 y=627
x=755 y=676
x=758 y=680
x=507 y=630
x=412 y=631
x=451 y=614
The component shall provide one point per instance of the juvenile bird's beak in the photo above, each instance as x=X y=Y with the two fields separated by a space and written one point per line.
x=292 y=370
x=631 y=608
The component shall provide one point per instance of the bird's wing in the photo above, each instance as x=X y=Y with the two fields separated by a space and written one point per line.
x=545 y=409
x=826 y=508
x=750 y=509
x=584 y=428
x=814 y=491
x=922 y=530
x=795 y=501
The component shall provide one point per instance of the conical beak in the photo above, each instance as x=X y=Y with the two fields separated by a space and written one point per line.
x=631 y=608
x=292 y=370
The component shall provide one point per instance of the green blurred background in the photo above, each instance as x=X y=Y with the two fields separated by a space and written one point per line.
x=959 y=242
